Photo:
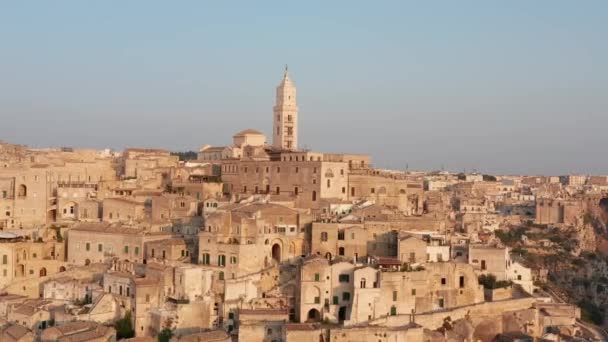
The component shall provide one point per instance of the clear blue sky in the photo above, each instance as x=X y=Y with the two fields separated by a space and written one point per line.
x=501 y=86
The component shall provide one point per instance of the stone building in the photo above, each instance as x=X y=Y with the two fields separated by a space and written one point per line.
x=288 y=174
x=70 y=289
x=435 y=286
x=353 y=241
x=325 y=290
x=137 y=162
x=412 y=250
x=23 y=260
x=29 y=188
x=243 y=239
x=558 y=211
x=490 y=259
x=261 y=324
x=122 y=210
x=172 y=207
x=388 y=188
x=88 y=242
x=170 y=249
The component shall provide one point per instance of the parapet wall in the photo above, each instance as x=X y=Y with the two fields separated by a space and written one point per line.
x=434 y=320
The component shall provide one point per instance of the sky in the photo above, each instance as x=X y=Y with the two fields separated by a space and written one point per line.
x=499 y=87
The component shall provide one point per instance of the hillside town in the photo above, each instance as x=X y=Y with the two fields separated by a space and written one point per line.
x=262 y=240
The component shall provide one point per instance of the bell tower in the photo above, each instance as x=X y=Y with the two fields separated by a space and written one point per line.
x=285 y=120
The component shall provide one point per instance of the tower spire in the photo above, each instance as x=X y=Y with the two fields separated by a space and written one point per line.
x=285 y=120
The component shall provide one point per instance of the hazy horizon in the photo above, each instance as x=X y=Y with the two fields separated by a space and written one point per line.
x=504 y=88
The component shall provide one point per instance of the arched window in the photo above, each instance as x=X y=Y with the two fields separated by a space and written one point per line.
x=221 y=260
x=22 y=191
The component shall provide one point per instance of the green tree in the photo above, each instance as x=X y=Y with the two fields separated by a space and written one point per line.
x=489 y=282
x=124 y=327
x=186 y=155
x=167 y=332
x=489 y=178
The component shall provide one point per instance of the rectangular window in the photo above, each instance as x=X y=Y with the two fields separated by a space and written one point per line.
x=5 y=259
x=126 y=249
x=394 y=296
x=99 y=247
x=336 y=300
x=443 y=281
x=317 y=277
x=317 y=300
x=441 y=302
x=88 y=246
x=461 y=282
x=136 y=250
x=413 y=292
x=344 y=278
x=346 y=296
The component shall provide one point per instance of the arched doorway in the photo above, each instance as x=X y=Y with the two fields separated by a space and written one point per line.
x=43 y=272
x=276 y=252
x=313 y=316
x=62 y=269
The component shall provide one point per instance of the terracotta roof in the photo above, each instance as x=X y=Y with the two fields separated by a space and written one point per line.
x=113 y=229
x=263 y=312
x=16 y=331
x=209 y=336
x=387 y=261
x=301 y=326
x=78 y=332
